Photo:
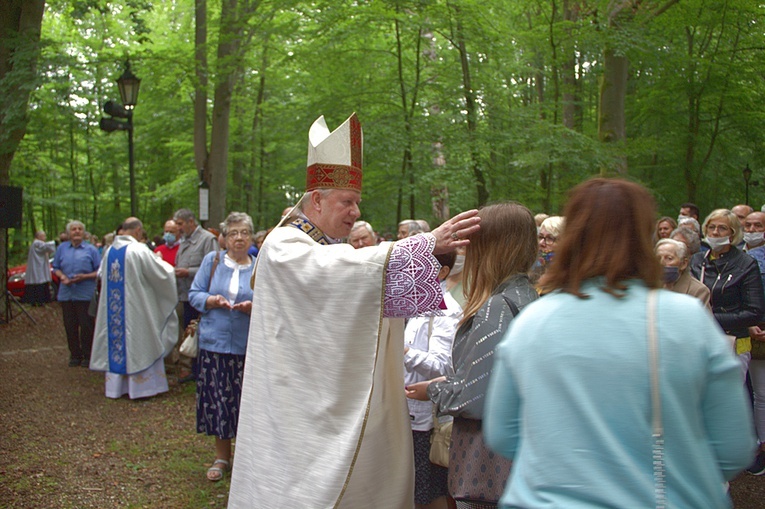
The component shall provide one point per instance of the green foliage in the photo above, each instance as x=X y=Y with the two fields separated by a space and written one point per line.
x=692 y=104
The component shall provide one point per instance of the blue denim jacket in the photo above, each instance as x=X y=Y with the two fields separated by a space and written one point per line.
x=221 y=330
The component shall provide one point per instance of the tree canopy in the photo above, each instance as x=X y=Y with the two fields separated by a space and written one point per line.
x=462 y=102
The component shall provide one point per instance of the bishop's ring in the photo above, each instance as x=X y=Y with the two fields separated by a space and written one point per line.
x=455 y=236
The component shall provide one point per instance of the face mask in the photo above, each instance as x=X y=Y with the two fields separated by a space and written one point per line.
x=680 y=218
x=459 y=264
x=717 y=243
x=169 y=238
x=754 y=238
x=671 y=274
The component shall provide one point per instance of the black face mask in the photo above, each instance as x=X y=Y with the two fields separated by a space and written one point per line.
x=671 y=274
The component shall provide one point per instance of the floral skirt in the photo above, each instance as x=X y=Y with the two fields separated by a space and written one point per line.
x=219 y=390
x=429 y=478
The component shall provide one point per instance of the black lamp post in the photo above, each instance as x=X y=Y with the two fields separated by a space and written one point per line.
x=128 y=84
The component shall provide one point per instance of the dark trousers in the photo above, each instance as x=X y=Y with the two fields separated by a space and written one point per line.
x=79 y=327
x=190 y=313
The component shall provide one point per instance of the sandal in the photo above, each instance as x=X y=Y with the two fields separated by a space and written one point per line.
x=216 y=474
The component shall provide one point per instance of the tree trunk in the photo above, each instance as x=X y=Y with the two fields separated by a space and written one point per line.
x=231 y=40
x=20 y=22
x=472 y=114
x=257 y=158
x=572 y=109
x=613 y=90
x=200 y=90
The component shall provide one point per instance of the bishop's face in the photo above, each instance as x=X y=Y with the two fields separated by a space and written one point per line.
x=336 y=211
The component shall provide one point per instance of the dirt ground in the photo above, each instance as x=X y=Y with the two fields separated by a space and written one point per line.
x=63 y=444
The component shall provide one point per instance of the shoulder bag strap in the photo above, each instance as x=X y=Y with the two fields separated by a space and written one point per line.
x=212 y=270
x=657 y=426
x=512 y=305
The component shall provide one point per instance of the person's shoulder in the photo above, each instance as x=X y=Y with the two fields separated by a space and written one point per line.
x=679 y=304
x=453 y=308
x=213 y=254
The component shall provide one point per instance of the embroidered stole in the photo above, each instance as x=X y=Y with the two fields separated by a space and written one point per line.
x=115 y=309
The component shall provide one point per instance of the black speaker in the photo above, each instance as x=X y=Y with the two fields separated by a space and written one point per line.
x=10 y=207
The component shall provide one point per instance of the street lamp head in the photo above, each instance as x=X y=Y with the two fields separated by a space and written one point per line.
x=747 y=173
x=128 y=84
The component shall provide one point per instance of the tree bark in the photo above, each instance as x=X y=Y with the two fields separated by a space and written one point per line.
x=231 y=40
x=20 y=24
x=613 y=90
x=472 y=114
x=200 y=90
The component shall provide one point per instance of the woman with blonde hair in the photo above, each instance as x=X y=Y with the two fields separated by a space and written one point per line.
x=664 y=227
x=733 y=279
x=609 y=391
x=497 y=287
x=550 y=230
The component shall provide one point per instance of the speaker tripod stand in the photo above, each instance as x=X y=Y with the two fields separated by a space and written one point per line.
x=9 y=299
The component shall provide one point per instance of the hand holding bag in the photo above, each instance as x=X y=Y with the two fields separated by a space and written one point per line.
x=440 y=439
x=190 y=345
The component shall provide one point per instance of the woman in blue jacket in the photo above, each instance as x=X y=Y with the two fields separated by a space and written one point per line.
x=221 y=292
x=570 y=399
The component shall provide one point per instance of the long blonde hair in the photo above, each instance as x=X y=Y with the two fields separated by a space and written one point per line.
x=505 y=246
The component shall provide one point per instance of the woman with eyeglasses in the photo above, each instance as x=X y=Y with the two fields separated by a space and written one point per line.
x=549 y=232
x=733 y=279
x=221 y=292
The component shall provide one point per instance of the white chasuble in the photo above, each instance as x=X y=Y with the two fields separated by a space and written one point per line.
x=323 y=420
x=136 y=323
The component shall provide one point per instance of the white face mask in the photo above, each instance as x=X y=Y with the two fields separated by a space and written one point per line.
x=717 y=243
x=459 y=264
x=754 y=238
x=680 y=218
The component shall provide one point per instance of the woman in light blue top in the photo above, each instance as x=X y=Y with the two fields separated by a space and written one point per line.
x=221 y=292
x=570 y=397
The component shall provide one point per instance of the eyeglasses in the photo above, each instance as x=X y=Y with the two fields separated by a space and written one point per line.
x=549 y=239
x=718 y=228
x=235 y=233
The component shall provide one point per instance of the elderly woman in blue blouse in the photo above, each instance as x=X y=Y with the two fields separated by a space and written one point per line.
x=571 y=399
x=221 y=292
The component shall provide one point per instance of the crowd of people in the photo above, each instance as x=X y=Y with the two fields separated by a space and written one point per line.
x=600 y=358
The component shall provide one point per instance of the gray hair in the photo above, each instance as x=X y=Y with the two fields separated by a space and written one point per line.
x=234 y=218
x=304 y=200
x=692 y=239
x=363 y=224
x=412 y=227
x=681 y=251
x=74 y=223
x=184 y=215
x=693 y=224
